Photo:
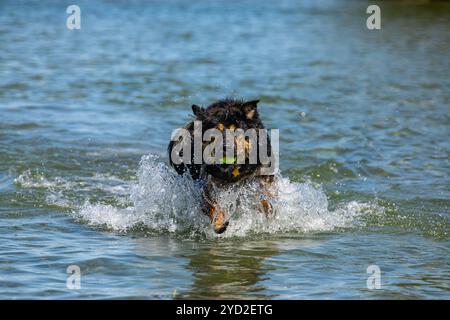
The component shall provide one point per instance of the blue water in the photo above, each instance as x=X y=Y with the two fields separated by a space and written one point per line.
x=86 y=115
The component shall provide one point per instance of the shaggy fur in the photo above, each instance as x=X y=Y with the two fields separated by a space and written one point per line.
x=227 y=114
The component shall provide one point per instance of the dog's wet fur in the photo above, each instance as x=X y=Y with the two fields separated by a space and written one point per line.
x=226 y=114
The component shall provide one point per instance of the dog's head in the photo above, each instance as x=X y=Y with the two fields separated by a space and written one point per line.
x=231 y=116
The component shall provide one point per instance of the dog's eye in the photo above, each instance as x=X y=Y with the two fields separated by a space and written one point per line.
x=220 y=126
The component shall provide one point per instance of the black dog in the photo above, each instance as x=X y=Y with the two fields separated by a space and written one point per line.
x=225 y=115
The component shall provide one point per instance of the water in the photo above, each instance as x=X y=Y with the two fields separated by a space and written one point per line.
x=86 y=116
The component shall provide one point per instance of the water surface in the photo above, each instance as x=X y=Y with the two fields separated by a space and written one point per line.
x=86 y=116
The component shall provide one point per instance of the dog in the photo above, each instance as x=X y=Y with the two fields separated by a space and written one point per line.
x=225 y=116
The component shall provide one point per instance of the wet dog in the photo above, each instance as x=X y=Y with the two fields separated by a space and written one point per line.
x=227 y=117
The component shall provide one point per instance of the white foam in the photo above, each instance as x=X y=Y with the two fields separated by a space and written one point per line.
x=164 y=202
x=29 y=179
x=64 y=192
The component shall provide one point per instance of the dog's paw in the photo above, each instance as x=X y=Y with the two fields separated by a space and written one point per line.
x=221 y=228
x=219 y=223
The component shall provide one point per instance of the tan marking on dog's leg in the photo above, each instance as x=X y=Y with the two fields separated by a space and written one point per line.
x=267 y=206
x=266 y=194
x=218 y=220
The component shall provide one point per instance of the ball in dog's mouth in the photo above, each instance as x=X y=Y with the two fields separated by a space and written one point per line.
x=228 y=160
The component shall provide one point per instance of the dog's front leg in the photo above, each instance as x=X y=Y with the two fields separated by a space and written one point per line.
x=217 y=218
x=266 y=195
x=266 y=205
x=214 y=212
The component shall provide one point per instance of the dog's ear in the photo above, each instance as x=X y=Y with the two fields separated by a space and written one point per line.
x=249 y=108
x=198 y=111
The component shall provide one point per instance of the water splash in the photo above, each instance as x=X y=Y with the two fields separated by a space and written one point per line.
x=32 y=179
x=164 y=202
